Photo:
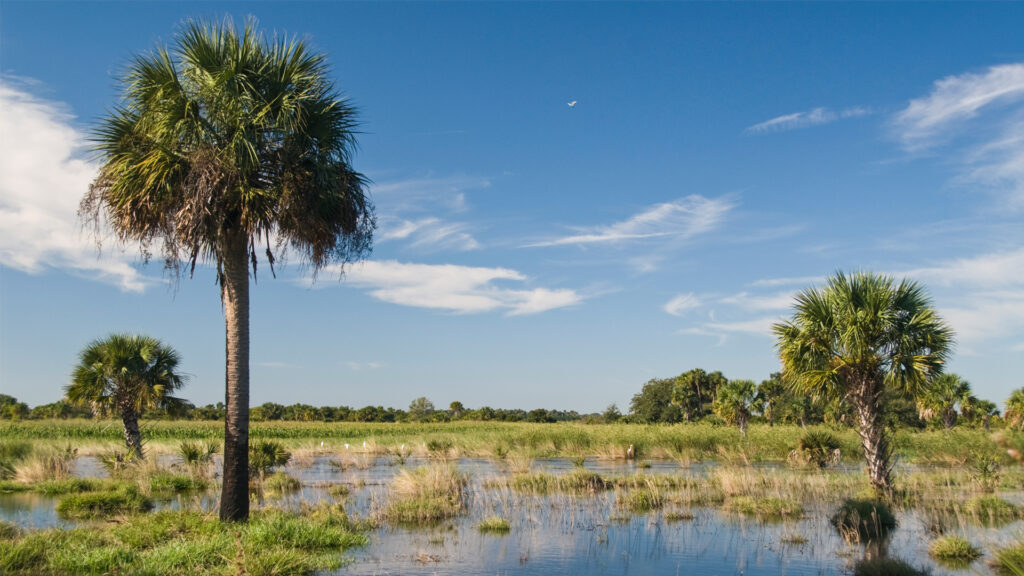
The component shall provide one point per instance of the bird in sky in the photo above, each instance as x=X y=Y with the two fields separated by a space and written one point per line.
x=572 y=104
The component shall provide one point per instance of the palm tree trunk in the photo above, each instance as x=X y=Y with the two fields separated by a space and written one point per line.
x=132 y=436
x=872 y=436
x=234 y=501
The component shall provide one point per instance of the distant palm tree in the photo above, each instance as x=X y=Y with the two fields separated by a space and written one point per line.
x=125 y=375
x=1014 y=413
x=942 y=397
x=858 y=337
x=223 y=143
x=734 y=401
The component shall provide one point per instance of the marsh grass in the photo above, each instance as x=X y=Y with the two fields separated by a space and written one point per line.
x=50 y=463
x=641 y=500
x=103 y=503
x=765 y=508
x=185 y=543
x=578 y=481
x=953 y=551
x=494 y=525
x=678 y=515
x=425 y=495
x=991 y=510
x=281 y=483
x=1009 y=561
x=12 y=452
x=167 y=482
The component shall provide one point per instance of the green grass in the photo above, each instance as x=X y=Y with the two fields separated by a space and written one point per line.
x=126 y=500
x=991 y=509
x=700 y=441
x=575 y=482
x=678 y=516
x=765 y=508
x=426 y=495
x=183 y=543
x=1009 y=561
x=642 y=499
x=953 y=551
x=494 y=525
x=169 y=482
x=281 y=483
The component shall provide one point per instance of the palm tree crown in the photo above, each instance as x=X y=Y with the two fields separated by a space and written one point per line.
x=125 y=375
x=858 y=337
x=229 y=134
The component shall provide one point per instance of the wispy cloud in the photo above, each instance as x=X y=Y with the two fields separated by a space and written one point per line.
x=43 y=176
x=429 y=234
x=807 y=119
x=357 y=366
x=954 y=99
x=460 y=289
x=427 y=193
x=681 y=303
x=979 y=118
x=680 y=219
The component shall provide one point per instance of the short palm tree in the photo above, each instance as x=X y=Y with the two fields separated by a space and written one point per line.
x=734 y=401
x=1014 y=413
x=225 y=144
x=857 y=337
x=125 y=375
x=942 y=397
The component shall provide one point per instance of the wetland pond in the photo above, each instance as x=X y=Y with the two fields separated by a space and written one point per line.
x=620 y=518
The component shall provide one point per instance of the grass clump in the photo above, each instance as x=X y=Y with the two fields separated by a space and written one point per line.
x=494 y=525
x=953 y=551
x=886 y=567
x=1009 y=561
x=642 y=499
x=126 y=500
x=42 y=465
x=991 y=509
x=165 y=482
x=11 y=453
x=8 y=531
x=765 y=508
x=678 y=516
x=575 y=482
x=426 y=494
x=862 y=520
x=281 y=483
x=75 y=486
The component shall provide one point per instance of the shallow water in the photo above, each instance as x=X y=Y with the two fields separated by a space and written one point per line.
x=561 y=533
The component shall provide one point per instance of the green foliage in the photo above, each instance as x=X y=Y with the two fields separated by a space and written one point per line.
x=654 y=403
x=12 y=452
x=818 y=448
x=733 y=402
x=125 y=500
x=11 y=409
x=165 y=481
x=692 y=391
x=197 y=453
x=1014 y=414
x=1010 y=560
x=281 y=483
x=265 y=455
x=992 y=509
x=864 y=520
x=421 y=409
x=943 y=396
x=643 y=499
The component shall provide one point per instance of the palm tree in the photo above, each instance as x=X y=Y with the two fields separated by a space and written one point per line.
x=1014 y=413
x=942 y=397
x=126 y=375
x=858 y=337
x=734 y=401
x=224 y=144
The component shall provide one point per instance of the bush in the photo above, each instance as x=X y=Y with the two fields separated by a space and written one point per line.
x=266 y=454
x=818 y=448
x=860 y=520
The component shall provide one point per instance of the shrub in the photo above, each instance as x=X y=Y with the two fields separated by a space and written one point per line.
x=197 y=453
x=818 y=448
x=266 y=454
x=859 y=520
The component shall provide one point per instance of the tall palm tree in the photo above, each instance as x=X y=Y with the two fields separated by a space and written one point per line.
x=225 y=144
x=942 y=397
x=856 y=338
x=126 y=375
x=1014 y=413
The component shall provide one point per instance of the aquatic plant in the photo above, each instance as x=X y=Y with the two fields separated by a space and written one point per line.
x=280 y=482
x=125 y=500
x=765 y=508
x=494 y=524
x=1009 y=561
x=953 y=550
x=426 y=494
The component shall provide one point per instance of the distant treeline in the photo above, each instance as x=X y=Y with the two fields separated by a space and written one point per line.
x=689 y=397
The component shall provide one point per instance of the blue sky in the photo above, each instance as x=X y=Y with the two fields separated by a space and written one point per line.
x=719 y=158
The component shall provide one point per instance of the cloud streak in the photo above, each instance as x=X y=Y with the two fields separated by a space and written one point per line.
x=807 y=119
x=430 y=234
x=680 y=219
x=459 y=289
x=42 y=179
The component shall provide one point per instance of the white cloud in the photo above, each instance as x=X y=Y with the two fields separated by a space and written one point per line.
x=430 y=233
x=356 y=366
x=988 y=271
x=807 y=119
x=460 y=289
x=680 y=219
x=759 y=326
x=981 y=118
x=777 y=301
x=796 y=280
x=681 y=303
x=957 y=98
x=42 y=179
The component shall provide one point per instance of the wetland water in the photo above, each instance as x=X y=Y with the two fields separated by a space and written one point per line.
x=574 y=533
